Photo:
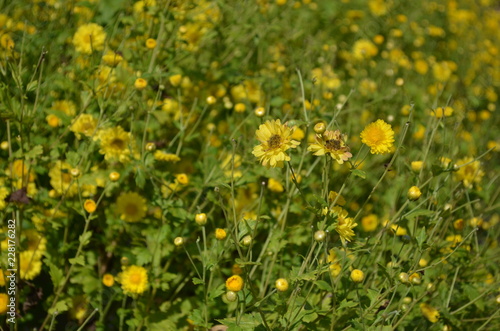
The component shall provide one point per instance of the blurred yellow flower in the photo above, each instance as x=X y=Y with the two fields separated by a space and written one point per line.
x=429 y=312
x=131 y=207
x=275 y=139
x=84 y=124
x=88 y=38
x=167 y=157
x=115 y=144
x=234 y=283
x=30 y=265
x=369 y=222
x=344 y=229
x=469 y=171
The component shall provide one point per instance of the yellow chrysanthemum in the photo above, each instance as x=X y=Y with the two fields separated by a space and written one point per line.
x=35 y=242
x=369 y=222
x=61 y=180
x=429 y=312
x=344 y=229
x=470 y=173
x=134 y=280
x=234 y=283
x=89 y=37
x=378 y=136
x=131 y=207
x=364 y=49
x=85 y=124
x=275 y=139
x=333 y=143
x=167 y=157
x=115 y=144
x=4 y=300
x=30 y=265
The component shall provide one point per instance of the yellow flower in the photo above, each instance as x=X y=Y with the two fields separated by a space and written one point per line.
x=182 y=179
x=61 y=180
x=357 y=276
x=140 y=83
x=131 y=207
x=369 y=223
x=442 y=112
x=275 y=139
x=89 y=206
x=84 y=124
x=150 y=43
x=108 y=280
x=344 y=229
x=333 y=143
x=30 y=265
x=112 y=59
x=220 y=234
x=378 y=136
x=167 y=157
x=275 y=186
x=470 y=173
x=115 y=144
x=89 y=37
x=134 y=280
x=364 y=49
x=234 y=283
x=281 y=284
x=4 y=300
x=334 y=196
x=429 y=312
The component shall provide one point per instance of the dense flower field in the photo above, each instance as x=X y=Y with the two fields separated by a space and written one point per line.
x=249 y=165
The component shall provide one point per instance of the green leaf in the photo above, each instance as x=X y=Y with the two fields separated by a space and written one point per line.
x=32 y=86
x=78 y=260
x=85 y=238
x=56 y=274
x=322 y=285
x=418 y=212
x=72 y=158
x=197 y=281
x=359 y=173
x=60 y=306
x=34 y=152
x=421 y=237
x=347 y=304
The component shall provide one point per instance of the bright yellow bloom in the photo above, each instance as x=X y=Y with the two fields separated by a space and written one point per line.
x=108 y=280
x=89 y=37
x=89 y=206
x=470 y=173
x=131 y=207
x=220 y=234
x=378 y=136
x=85 y=124
x=429 y=312
x=344 y=229
x=234 y=283
x=281 y=284
x=115 y=144
x=369 y=223
x=134 y=280
x=167 y=157
x=4 y=300
x=357 y=276
x=364 y=49
x=275 y=186
x=333 y=143
x=275 y=139
x=30 y=265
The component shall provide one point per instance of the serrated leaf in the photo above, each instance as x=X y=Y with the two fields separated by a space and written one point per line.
x=197 y=281
x=32 y=86
x=421 y=237
x=347 y=304
x=359 y=173
x=322 y=285
x=60 y=306
x=34 y=152
x=56 y=274
x=78 y=260
x=419 y=212
x=85 y=238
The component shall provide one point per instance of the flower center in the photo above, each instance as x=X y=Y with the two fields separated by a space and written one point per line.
x=131 y=209
x=274 y=141
x=135 y=279
x=117 y=143
x=332 y=144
